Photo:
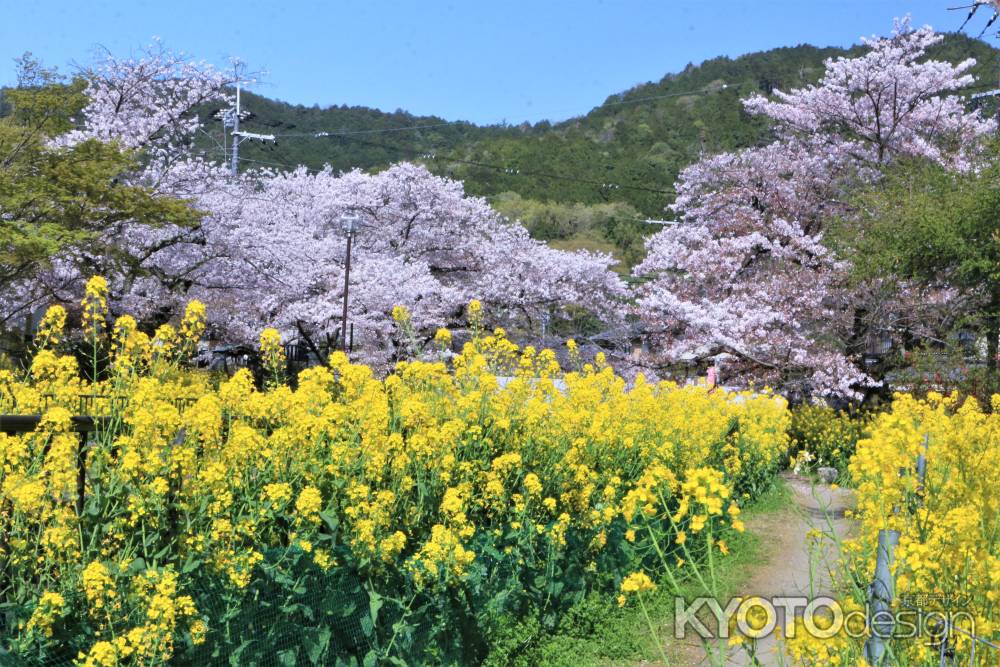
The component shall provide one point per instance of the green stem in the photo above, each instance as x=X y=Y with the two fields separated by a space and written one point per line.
x=652 y=631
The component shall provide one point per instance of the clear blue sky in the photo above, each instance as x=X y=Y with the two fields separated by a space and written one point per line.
x=478 y=60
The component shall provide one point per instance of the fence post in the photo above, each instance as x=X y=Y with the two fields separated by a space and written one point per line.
x=81 y=473
x=943 y=655
x=880 y=598
x=922 y=468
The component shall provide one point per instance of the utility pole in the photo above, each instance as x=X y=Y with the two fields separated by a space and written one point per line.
x=231 y=118
x=350 y=226
x=234 y=170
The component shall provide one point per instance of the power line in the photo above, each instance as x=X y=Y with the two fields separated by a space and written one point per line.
x=510 y=171
x=505 y=169
x=277 y=164
x=354 y=135
x=413 y=128
x=345 y=133
x=604 y=185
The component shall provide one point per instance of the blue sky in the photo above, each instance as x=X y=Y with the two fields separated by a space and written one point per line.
x=471 y=60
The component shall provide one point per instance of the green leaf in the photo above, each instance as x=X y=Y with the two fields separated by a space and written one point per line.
x=330 y=519
x=374 y=605
x=367 y=627
x=317 y=648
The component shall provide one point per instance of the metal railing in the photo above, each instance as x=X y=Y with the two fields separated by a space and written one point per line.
x=88 y=403
x=81 y=424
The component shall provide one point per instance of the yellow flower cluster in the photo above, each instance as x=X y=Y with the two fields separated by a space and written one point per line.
x=443 y=338
x=51 y=327
x=948 y=557
x=432 y=475
x=401 y=315
x=192 y=326
x=95 y=306
x=637 y=582
x=50 y=608
x=270 y=346
x=824 y=436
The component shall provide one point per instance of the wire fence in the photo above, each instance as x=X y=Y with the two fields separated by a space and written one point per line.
x=292 y=613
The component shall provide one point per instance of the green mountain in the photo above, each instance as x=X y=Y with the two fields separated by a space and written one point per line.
x=584 y=182
x=360 y=136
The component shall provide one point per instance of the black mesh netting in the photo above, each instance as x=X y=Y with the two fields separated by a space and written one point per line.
x=291 y=613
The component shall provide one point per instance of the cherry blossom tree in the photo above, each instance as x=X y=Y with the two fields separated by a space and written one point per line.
x=747 y=273
x=142 y=105
x=147 y=101
x=421 y=243
x=269 y=249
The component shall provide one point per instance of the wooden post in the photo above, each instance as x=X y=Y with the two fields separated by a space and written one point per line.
x=880 y=598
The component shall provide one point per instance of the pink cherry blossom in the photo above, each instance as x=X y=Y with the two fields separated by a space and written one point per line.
x=747 y=274
x=269 y=249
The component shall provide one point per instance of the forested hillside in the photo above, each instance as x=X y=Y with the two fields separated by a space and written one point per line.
x=626 y=152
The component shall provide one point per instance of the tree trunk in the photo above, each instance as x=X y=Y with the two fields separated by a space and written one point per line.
x=859 y=331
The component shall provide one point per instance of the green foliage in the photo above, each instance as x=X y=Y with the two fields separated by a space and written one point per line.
x=926 y=223
x=292 y=613
x=641 y=138
x=54 y=199
x=617 y=226
x=947 y=369
x=596 y=632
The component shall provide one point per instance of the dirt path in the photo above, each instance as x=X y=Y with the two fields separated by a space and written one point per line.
x=793 y=567
x=789 y=565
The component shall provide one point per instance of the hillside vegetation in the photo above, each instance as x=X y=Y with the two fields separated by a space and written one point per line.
x=638 y=140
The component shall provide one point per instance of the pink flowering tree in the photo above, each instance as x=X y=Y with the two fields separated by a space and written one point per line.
x=143 y=105
x=269 y=249
x=746 y=274
x=147 y=101
x=421 y=242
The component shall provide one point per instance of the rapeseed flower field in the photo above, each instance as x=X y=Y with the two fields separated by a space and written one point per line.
x=946 y=566
x=419 y=509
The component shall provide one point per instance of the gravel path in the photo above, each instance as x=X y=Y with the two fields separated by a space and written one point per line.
x=792 y=567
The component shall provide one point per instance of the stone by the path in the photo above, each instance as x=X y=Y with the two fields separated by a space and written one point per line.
x=827 y=475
